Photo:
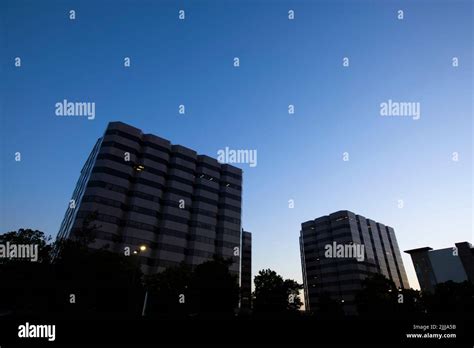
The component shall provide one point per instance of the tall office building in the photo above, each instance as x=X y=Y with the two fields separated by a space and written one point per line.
x=441 y=265
x=340 y=250
x=142 y=190
x=246 y=270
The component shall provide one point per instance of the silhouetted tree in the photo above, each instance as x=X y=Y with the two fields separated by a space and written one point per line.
x=31 y=237
x=25 y=285
x=380 y=296
x=273 y=294
x=328 y=307
x=410 y=302
x=102 y=282
x=209 y=289
x=79 y=281
x=213 y=289
x=377 y=297
x=168 y=292
x=292 y=290
x=88 y=231
x=450 y=298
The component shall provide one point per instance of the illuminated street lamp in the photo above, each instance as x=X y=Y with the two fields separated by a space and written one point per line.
x=142 y=248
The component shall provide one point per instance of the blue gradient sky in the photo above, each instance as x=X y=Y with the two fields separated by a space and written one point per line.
x=282 y=62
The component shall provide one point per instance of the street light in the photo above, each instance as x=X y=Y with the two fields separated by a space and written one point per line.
x=142 y=248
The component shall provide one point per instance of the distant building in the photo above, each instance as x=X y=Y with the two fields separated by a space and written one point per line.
x=183 y=207
x=340 y=250
x=438 y=266
x=246 y=270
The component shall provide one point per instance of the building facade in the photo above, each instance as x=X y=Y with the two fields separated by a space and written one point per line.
x=441 y=265
x=340 y=250
x=246 y=271
x=142 y=190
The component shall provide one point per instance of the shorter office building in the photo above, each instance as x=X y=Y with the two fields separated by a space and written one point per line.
x=340 y=250
x=437 y=266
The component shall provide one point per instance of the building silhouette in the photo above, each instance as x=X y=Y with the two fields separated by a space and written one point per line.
x=141 y=190
x=340 y=275
x=246 y=270
x=441 y=265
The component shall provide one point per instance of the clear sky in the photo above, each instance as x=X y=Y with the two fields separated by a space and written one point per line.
x=282 y=62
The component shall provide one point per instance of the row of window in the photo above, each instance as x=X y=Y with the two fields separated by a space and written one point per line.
x=149 y=197
x=140 y=156
x=167 y=263
x=167 y=188
x=141 y=142
x=140 y=167
x=323 y=262
x=340 y=283
x=153 y=198
x=134 y=180
x=188 y=236
x=169 y=152
x=342 y=294
x=125 y=239
x=338 y=238
x=153 y=245
x=162 y=246
x=339 y=272
x=341 y=262
x=147 y=227
x=120 y=205
x=154 y=213
x=218 y=243
x=329 y=230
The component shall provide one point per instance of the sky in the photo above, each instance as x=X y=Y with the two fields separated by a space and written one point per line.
x=400 y=171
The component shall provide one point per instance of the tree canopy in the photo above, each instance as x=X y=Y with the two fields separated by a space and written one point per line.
x=274 y=294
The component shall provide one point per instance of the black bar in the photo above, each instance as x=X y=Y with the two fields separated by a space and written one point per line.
x=240 y=331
